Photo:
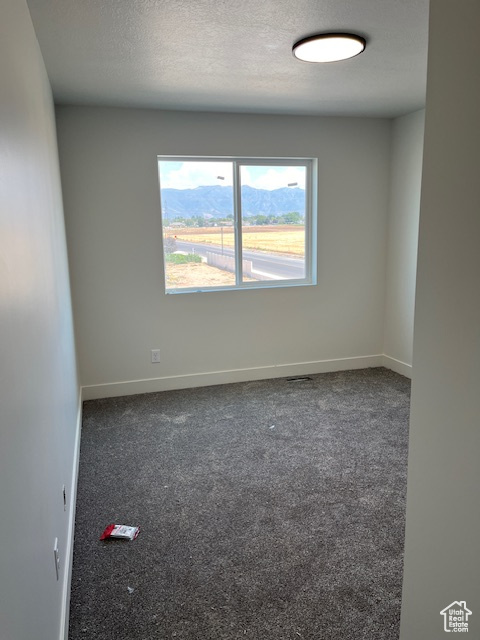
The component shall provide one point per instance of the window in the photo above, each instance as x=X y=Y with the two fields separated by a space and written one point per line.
x=236 y=223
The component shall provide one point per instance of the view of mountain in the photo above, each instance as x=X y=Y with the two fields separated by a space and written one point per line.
x=217 y=201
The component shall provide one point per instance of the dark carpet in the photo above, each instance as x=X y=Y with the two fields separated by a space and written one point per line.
x=269 y=510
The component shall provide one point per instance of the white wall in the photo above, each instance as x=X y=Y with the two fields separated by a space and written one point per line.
x=109 y=174
x=38 y=385
x=442 y=559
x=404 y=210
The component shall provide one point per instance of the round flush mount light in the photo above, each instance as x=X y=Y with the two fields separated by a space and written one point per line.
x=329 y=47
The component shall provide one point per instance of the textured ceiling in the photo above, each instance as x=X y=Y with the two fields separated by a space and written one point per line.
x=227 y=55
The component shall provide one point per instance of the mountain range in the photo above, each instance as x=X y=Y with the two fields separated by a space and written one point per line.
x=217 y=201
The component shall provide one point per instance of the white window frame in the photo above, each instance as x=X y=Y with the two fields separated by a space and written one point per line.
x=310 y=165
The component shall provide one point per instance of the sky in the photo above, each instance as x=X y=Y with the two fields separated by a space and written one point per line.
x=191 y=174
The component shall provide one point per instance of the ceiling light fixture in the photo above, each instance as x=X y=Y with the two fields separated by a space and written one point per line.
x=328 y=47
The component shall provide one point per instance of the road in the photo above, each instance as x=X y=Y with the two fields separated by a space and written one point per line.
x=270 y=266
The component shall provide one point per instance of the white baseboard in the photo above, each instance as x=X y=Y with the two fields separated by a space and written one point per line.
x=67 y=571
x=131 y=387
x=398 y=366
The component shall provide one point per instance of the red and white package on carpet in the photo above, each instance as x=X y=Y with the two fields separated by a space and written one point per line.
x=120 y=531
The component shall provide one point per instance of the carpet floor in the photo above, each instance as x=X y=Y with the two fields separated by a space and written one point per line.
x=270 y=510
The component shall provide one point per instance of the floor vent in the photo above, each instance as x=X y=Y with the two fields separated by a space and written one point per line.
x=299 y=379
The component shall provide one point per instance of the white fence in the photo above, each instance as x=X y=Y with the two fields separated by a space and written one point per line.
x=227 y=263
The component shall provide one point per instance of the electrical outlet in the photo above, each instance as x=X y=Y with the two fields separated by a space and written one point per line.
x=155 y=355
x=64 y=492
x=56 y=557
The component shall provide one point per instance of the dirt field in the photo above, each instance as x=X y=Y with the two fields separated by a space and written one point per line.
x=198 y=274
x=282 y=239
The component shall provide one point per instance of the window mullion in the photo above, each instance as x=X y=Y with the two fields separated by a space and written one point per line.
x=237 y=206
